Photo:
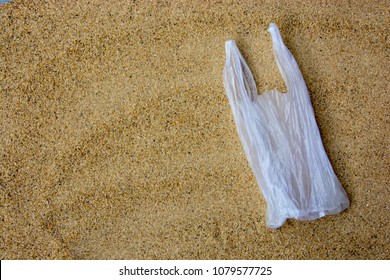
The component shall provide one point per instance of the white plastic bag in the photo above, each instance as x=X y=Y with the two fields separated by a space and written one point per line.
x=281 y=140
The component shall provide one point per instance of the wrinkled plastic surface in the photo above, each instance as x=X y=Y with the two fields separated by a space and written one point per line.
x=281 y=140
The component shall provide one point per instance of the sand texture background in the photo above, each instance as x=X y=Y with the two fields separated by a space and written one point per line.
x=117 y=140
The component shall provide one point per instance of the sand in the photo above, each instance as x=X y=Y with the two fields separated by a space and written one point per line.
x=117 y=140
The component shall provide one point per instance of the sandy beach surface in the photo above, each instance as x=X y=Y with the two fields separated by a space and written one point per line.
x=117 y=140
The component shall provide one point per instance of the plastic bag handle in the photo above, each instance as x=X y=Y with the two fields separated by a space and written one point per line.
x=286 y=62
x=239 y=71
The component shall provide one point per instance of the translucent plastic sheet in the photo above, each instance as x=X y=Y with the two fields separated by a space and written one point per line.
x=281 y=140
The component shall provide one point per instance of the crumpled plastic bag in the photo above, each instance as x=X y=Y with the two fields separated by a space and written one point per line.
x=281 y=140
